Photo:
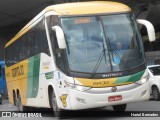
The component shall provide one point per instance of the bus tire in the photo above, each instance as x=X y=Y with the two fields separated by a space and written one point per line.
x=120 y=107
x=155 y=93
x=20 y=107
x=53 y=103
x=14 y=98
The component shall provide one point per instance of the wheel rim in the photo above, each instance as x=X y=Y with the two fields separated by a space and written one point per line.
x=155 y=94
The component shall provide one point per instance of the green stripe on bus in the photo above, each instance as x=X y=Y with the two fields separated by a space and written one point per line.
x=136 y=77
x=122 y=80
x=131 y=78
x=33 y=76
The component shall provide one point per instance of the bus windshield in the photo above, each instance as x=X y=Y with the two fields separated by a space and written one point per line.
x=102 y=43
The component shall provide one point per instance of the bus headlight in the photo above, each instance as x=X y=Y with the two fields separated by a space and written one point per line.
x=77 y=87
x=143 y=80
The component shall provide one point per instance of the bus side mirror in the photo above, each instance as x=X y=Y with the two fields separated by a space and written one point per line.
x=60 y=37
x=150 y=29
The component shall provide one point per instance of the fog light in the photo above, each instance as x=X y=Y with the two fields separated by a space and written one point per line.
x=81 y=100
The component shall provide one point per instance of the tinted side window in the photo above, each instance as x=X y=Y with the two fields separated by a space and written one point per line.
x=40 y=36
x=31 y=43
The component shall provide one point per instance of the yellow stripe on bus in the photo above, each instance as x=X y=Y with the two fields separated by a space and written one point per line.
x=97 y=82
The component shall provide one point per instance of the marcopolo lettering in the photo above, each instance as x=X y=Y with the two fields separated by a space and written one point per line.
x=17 y=71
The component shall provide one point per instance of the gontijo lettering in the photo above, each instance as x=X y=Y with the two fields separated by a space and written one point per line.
x=17 y=71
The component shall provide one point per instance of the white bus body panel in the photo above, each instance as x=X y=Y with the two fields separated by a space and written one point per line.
x=140 y=93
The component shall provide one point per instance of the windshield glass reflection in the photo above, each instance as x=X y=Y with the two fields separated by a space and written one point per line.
x=102 y=44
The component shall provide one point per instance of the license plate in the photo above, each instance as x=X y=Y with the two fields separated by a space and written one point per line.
x=115 y=98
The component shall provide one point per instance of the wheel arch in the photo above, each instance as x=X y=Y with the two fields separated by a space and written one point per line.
x=50 y=90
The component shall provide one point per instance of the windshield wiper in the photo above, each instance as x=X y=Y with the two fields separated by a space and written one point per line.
x=98 y=63
x=103 y=53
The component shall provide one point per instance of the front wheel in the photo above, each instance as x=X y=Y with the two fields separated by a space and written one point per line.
x=120 y=107
x=156 y=93
x=54 y=106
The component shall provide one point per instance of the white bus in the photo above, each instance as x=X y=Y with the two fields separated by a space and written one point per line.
x=77 y=56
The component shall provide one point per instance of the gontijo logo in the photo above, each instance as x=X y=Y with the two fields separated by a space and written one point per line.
x=17 y=71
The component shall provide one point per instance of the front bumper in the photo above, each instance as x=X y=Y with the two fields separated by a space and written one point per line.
x=84 y=100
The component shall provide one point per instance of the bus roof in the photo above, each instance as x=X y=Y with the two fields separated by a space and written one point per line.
x=94 y=7
x=77 y=8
